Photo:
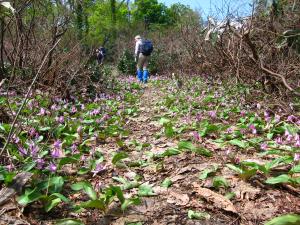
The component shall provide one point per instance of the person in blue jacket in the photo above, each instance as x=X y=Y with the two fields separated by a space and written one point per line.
x=100 y=54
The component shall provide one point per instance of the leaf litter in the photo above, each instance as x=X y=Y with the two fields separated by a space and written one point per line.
x=184 y=196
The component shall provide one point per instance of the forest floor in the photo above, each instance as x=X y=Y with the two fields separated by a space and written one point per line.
x=184 y=159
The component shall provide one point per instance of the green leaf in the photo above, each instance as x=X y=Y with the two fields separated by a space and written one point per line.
x=230 y=195
x=202 y=151
x=67 y=160
x=163 y=121
x=220 y=182
x=28 y=166
x=280 y=179
x=166 y=183
x=120 y=179
x=114 y=191
x=29 y=196
x=208 y=172
x=129 y=202
x=235 y=168
x=186 y=145
x=134 y=223
x=146 y=190
x=62 y=197
x=208 y=129
x=198 y=215
x=170 y=152
x=241 y=144
x=69 y=222
x=270 y=135
x=56 y=184
x=51 y=204
x=98 y=204
x=126 y=184
x=289 y=219
x=87 y=187
x=119 y=156
x=90 y=192
x=169 y=131
x=44 y=128
x=83 y=170
x=295 y=169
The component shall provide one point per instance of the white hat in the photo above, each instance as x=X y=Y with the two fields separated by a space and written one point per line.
x=137 y=37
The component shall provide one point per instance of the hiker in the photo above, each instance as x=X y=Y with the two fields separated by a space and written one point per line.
x=143 y=50
x=100 y=54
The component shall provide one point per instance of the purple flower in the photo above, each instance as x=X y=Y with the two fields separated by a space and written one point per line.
x=264 y=146
x=243 y=113
x=268 y=119
x=57 y=144
x=56 y=153
x=83 y=158
x=296 y=157
x=74 y=149
x=199 y=117
x=34 y=149
x=10 y=167
x=212 y=114
x=277 y=119
x=258 y=105
x=237 y=160
x=40 y=163
x=16 y=139
x=32 y=132
x=105 y=117
x=42 y=112
x=297 y=144
x=73 y=109
x=297 y=137
x=22 y=150
x=60 y=119
x=229 y=130
x=30 y=104
x=266 y=114
x=279 y=140
x=253 y=129
x=55 y=107
x=95 y=112
x=291 y=118
x=99 y=168
x=287 y=133
x=289 y=138
x=196 y=136
x=52 y=167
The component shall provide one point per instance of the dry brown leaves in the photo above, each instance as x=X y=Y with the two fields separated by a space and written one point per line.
x=219 y=201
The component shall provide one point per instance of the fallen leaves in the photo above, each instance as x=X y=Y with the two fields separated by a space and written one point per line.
x=178 y=198
x=219 y=201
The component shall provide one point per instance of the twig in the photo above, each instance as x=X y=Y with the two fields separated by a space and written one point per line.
x=280 y=76
x=25 y=99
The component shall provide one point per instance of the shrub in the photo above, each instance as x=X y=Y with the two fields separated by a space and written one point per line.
x=126 y=63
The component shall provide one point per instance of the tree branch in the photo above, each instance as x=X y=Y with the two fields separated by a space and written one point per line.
x=25 y=99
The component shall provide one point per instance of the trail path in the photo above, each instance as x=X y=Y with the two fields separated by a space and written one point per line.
x=252 y=204
x=180 y=175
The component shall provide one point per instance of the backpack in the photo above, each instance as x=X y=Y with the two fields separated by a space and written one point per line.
x=146 y=47
x=102 y=50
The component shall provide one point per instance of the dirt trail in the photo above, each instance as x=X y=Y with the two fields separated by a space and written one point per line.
x=170 y=205
x=252 y=204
